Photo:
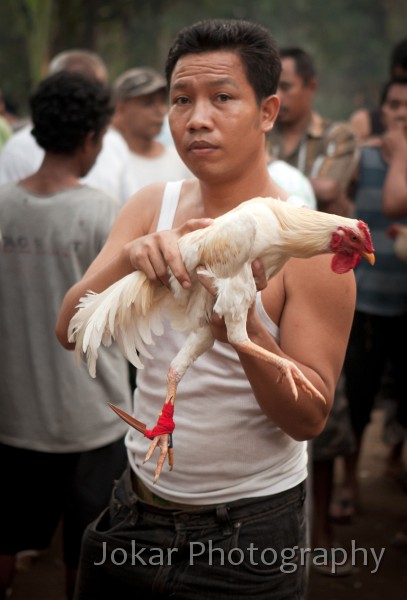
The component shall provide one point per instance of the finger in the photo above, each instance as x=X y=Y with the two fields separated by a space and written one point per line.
x=157 y=272
x=208 y=281
x=259 y=274
x=194 y=224
x=148 y=258
x=173 y=258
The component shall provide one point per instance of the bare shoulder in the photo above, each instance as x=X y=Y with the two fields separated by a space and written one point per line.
x=142 y=210
x=313 y=290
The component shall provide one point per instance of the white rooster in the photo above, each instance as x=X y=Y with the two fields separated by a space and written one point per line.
x=131 y=309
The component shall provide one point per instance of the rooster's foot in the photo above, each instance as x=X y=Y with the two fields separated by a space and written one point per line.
x=288 y=369
x=297 y=379
x=164 y=443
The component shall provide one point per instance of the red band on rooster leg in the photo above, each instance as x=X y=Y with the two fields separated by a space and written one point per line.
x=165 y=422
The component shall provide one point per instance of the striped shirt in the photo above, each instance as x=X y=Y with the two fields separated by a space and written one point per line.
x=381 y=290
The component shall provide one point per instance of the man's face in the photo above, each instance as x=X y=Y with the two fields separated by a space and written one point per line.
x=143 y=116
x=394 y=109
x=295 y=95
x=216 y=122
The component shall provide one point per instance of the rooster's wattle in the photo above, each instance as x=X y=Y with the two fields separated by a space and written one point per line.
x=131 y=310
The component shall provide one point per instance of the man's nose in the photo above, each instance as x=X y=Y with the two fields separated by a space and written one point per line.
x=200 y=115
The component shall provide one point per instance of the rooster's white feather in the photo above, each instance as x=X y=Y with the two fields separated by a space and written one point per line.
x=131 y=310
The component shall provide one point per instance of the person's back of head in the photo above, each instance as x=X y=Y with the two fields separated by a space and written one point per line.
x=252 y=42
x=65 y=108
x=304 y=63
x=79 y=61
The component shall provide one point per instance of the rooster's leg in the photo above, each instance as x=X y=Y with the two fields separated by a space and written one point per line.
x=243 y=287
x=163 y=441
x=196 y=344
x=287 y=369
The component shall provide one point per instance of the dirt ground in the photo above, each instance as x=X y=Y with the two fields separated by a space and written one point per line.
x=383 y=509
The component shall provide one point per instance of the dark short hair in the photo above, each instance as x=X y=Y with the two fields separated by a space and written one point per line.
x=65 y=107
x=252 y=42
x=389 y=84
x=304 y=63
x=398 y=57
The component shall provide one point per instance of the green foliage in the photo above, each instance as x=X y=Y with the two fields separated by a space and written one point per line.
x=38 y=15
x=350 y=39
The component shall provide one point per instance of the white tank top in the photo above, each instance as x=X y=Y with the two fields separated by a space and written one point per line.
x=225 y=447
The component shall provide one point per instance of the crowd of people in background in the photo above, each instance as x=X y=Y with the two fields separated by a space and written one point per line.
x=82 y=168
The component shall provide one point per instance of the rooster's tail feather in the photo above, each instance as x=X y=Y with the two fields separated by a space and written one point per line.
x=127 y=311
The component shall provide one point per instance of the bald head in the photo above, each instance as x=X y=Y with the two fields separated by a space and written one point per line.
x=79 y=61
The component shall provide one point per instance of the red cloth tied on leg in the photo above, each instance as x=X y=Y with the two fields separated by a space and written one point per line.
x=165 y=423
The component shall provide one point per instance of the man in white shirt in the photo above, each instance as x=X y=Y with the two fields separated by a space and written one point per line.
x=293 y=181
x=141 y=107
x=21 y=156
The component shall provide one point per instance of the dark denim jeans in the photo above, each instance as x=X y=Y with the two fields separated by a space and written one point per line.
x=371 y=350
x=244 y=549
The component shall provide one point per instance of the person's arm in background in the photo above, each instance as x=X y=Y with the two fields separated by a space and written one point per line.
x=333 y=171
x=394 y=148
x=360 y=124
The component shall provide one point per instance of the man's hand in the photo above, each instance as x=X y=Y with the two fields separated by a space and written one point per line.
x=394 y=143
x=156 y=252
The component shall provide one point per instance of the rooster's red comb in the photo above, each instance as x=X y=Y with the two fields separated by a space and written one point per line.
x=365 y=229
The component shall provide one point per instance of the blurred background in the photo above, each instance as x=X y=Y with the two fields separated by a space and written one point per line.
x=350 y=39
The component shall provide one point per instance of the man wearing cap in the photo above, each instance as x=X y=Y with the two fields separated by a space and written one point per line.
x=21 y=156
x=141 y=106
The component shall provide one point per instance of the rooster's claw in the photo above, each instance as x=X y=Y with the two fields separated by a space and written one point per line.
x=164 y=442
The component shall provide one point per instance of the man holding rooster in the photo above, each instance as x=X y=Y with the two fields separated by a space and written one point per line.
x=240 y=442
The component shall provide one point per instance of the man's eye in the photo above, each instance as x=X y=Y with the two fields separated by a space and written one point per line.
x=284 y=87
x=394 y=105
x=223 y=97
x=181 y=100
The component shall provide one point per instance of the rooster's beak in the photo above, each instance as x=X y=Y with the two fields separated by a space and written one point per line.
x=370 y=257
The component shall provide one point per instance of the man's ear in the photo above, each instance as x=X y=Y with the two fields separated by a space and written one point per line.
x=89 y=140
x=269 y=107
